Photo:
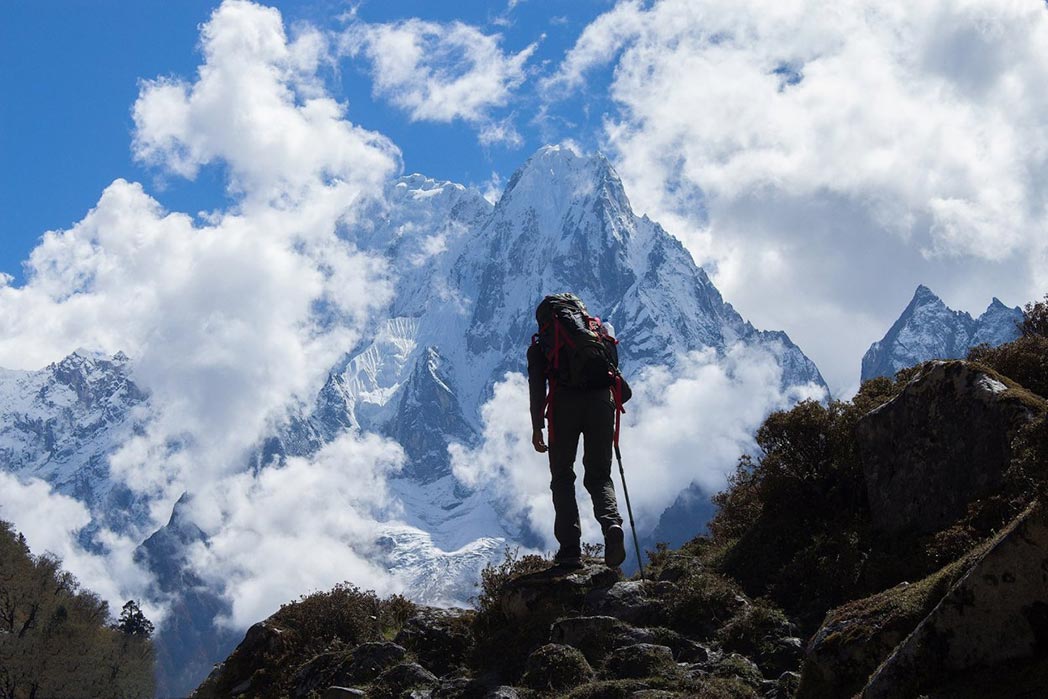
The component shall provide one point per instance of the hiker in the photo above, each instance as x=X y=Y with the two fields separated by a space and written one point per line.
x=576 y=356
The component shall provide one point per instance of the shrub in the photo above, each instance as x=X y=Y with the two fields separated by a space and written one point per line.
x=1035 y=319
x=493 y=577
x=500 y=645
x=56 y=640
x=1025 y=361
x=754 y=630
x=701 y=602
x=343 y=615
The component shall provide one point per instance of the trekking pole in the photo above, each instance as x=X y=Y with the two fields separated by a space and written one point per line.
x=629 y=510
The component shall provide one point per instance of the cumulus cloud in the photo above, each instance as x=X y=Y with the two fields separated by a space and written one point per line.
x=442 y=71
x=51 y=522
x=232 y=322
x=686 y=424
x=312 y=523
x=823 y=158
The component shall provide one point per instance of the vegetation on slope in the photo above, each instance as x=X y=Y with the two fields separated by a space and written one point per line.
x=56 y=639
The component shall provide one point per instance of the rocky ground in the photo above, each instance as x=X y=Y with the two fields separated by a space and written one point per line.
x=893 y=546
x=587 y=633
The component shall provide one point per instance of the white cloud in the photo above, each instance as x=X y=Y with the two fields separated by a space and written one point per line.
x=308 y=525
x=51 y=522
x=442 y=71
x=824 y=158
x=688 y=424
x=233 y=323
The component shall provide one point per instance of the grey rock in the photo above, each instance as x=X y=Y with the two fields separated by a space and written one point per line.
x=595 y=636
x=739 y=667
x=552 y=593
x=684 y=649
x=996 y=613
x=406 y=676
x=632 y=601
x=786 y=654
x=941 y=443
x=556 y=667
x=640 y=660
x=368 y=660
x=440 y=639
x=502 y=692
x=336 y=692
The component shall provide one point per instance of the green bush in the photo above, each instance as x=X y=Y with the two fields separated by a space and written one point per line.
x=343 y=615
x=701 y=602
x=500 y=645
x=754 y=630
x=1024 y=361
x=793 y=523
x=1035 y=318
x=57 y=639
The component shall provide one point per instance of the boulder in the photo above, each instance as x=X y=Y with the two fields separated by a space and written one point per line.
x=249 y=666
x=317 y=673
x=595 y=636
x=633 y=601
x=855 y=638
x=404 y=677
x=640 y=660
x=552 y=593
x=684 y=649
x=369 y=660
x=738 y=667
x=782 y=655
x=441 y=639
x=359 y=666
x=941 y=443
x=336 y=692
x=996 y=613
x=556 y=667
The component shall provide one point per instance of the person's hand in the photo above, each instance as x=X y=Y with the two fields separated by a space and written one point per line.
x=538 y=442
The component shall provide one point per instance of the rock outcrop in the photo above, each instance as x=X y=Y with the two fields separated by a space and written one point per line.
x=942 y=443
x=997 y=612
x=586 y=633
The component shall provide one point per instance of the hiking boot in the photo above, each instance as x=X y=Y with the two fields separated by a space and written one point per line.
x=614 y=548
x=567 y=561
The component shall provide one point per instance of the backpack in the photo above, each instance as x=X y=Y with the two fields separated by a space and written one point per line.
x=579 y=350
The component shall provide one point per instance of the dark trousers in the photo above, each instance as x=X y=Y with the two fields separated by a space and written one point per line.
x=591 y=415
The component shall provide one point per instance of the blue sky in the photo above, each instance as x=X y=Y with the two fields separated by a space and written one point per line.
x=904 y=149
x=71 y=71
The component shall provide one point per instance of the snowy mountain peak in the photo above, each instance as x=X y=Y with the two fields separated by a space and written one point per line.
x=923 y=295
x=557 y=182
x=929 y=329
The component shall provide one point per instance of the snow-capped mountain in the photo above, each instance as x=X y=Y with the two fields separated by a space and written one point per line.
x=61 y=423
x=468 y=277
x=928 y=329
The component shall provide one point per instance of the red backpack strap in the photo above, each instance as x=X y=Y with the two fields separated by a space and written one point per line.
x=616 y=392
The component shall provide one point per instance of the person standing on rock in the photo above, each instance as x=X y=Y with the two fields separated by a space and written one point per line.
x=575 y=356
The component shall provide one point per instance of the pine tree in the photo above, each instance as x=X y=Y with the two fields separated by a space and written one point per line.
x=133 y=622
